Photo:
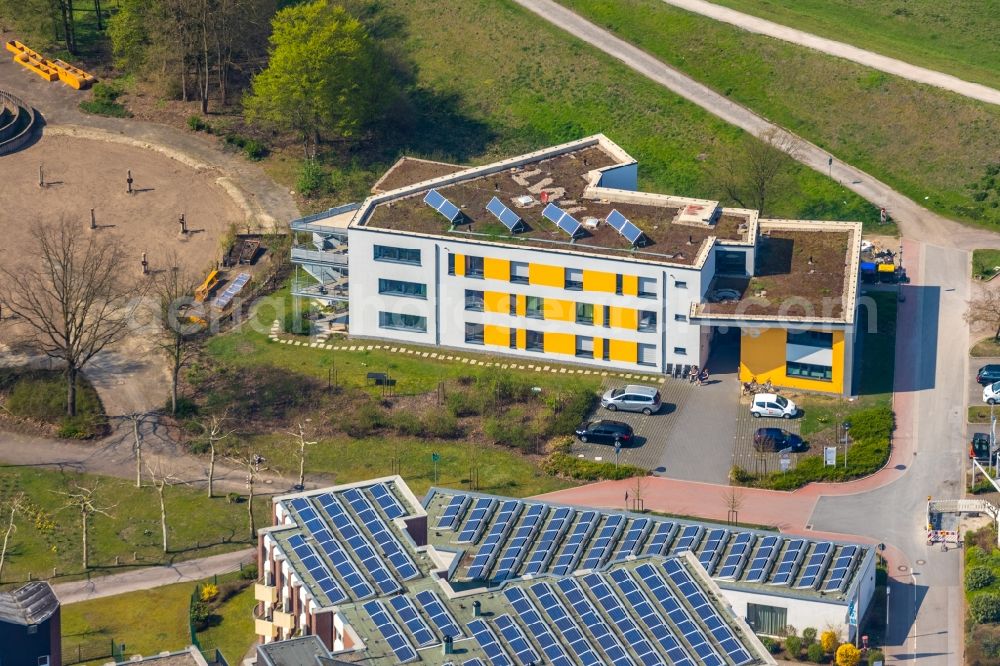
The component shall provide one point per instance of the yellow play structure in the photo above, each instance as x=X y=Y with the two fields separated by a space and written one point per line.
x=50 y=70
x=202 y=292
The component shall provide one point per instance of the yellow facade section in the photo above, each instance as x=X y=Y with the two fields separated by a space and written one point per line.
x=623 y=351
x=558 y=310
x=496 y=269
x=496 y=301
x=599 y=281
x=520 y=307
x=546 y=276
x=560 y=343
x=630 y=285
x=627 y=318
x=459 y=264
x=497 y=336
x=763 y=354
x=522 y=338
x=598 y=347
x=598 y=315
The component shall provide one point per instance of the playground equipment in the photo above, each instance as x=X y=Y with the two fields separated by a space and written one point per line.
x=50 y=70
x=17 y=123
x=206 y=287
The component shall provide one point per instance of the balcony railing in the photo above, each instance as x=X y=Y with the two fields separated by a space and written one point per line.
x=335 y=290
x=309 y=255
x=307 y=223
x=266 y=593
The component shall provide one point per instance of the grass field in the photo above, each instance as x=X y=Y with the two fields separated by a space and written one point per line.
x=959 y=38
x=988 y=346
x=48 y=537
x=937 y=148
x=232 y=633
x=985 y=263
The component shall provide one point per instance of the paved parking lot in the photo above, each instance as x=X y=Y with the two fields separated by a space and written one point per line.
x=975 y=390
x=752 y=460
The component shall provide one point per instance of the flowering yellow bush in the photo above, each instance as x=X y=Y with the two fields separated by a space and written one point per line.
x=828 y=641
x=209 y=592
x=848 y=655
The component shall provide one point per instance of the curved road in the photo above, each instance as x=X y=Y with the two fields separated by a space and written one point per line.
x=861 y=56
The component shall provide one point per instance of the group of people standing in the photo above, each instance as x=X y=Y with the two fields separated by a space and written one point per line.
x=698 y=376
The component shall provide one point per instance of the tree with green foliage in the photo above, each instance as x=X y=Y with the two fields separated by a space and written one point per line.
x=325 y=75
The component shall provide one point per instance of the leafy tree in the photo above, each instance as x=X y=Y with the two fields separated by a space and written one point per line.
x=325 y=75
x=848 y=655
x=129 y=34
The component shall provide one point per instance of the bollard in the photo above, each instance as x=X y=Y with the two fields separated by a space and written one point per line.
x=128 y=182
x=41 y=176
x=184 y=226
x=145 y=265
x=93 y=219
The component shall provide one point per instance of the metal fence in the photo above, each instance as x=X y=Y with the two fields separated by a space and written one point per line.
x=111 y=650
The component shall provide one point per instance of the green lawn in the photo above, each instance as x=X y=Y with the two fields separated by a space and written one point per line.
x=48 y=537
x=233 y=633
x=936 y=147
x=986 y=347
x=985 y=263
x=40 y=395
x=959 y=39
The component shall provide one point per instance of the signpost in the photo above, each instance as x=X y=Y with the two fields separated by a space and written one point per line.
x=434 y=459
x=618 y=450
x=785 y=462
x=829 y=456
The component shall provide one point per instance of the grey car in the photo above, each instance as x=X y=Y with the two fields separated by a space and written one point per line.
x=632 y=398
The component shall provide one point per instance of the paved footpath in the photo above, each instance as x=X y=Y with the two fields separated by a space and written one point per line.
x=841 y=50
x=150 y=577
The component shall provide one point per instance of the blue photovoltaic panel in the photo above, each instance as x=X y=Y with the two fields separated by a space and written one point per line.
x=449 y=210
x=510 y=219
x=562 y=219
x=601 y=547
x=616 y=612
x=573 y=549
x=473 y=662
x=387 y=501
x=456 y=507
x=359 y=544
x=715 y=543
x=547 y=544
x=632 y=543
x=763 y=559
x=590 y=618
x=841 y=569
x=342 y=562
x=733 y=565
x=569 y=630
x=664 y=536
x=232 y=289
x=407 y=612
x=529 y=616
x=816 y=565
x=393 y=635
x=637 y=600
x=391 y=548
x=703 y=608
x=688 y=539
x=476 y=523
x=439 y=614
x=489 y=550
x=316 y=568
x=516 y=640
x=488 y=641
x=517 y=547
x=679 y=616
x=788 y=567
x=621 y=224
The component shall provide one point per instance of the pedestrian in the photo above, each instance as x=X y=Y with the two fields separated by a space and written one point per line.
x=693 y=374
x=703 y=377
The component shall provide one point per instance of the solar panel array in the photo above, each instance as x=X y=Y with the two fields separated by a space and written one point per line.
x=488 y=642
x=317 y=569
x=478 y=519
x=603 y=543
x=454 y=512
x=450 y=211
x=573 y=549
x=516 y=640
x=844 y=564
x=816 y=566
x=490 y=548
x=359 y=544
x=510 y=219
x=562 y=219
x=790 y=561
x=387 y=501
x=393 y=635
x=715 y=543
x=391 y=548
x=439 y=614
x=607 y=641
x=517 y=547
x=332 y=548
x=233 y=288
x=546 y=548
x=629 y=231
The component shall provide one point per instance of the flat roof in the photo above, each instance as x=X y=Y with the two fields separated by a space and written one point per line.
x=410 y=170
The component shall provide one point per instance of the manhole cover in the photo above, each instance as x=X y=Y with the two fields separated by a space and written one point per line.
x=921 y=562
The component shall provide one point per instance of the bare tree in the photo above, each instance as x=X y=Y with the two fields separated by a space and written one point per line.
x=14 y=506
x=750 y=174
x=214 y=434
x=174 y=290
x=253 y=463
x=161 y=479
x=137 y=419
x=82 y=500
x=733 y=499
x=301 y=444
x=73 y=297
x=636 y=495
x=984 y=310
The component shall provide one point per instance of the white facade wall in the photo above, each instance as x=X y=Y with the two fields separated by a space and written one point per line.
x=801 y=612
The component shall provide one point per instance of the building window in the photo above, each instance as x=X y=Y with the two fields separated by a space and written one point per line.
x=647 y=321
x=647 y=354
x=397 y=255
x=402 y=322
x=585 y=313
x=680 y=284
x=44 y=659
x=519 y=272
x=474 y=267
x=451 y=264
x=513 y=305
x=619 y=280
x=534 y=341
x=513 y=338
x=823 y=373
x=584 y=347
x=574 y=279
x=606 y=351
x=680 y=317
x=32 y=629
x=647 y=287
x=473 y=300
x=730 y=262
x=680 y=351
x=816 y=339
x=607 y=316
x=767 y=620
x=402 y=288
x=474 y=334
x=533 y=306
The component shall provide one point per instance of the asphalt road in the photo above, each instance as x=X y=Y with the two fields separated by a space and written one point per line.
x=841 y=50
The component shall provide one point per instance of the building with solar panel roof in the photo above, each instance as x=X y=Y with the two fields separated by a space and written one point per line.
x=466 y=578
x=558 y=253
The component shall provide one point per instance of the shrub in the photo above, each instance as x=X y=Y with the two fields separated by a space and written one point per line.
x=464 y=403
x=408 y=423
x=198 y=124
x=985 y=608
x=74 y=427
x=739 y=475
x=254 y=150
x=569 y=410
x=815 y=653
x=875 y=656
x=249 y=572
x=363 y=421
x=848 y=655
x=793 y=645
x=976 y=578
x=770 y=644
x=186 y=407
x=209 y=591
x=311 y=180
x=808 y=637
x=201 y=615
x=874 y=423
x=828 y=641
x=983 y=486
x=104 y=101
x=441 y=424
x=234 y=498
x=511 y=430
x=581 y=469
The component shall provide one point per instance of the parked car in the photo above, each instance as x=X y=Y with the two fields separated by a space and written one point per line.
x=771 y=404
x=776 y=439
x=605 y=432
x=980 y=447
x=991 y=393
x=988 y=374
x=632 y=398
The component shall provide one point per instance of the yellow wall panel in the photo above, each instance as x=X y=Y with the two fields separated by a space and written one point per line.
x=627 y=318
x=520 y=307
x=558 y=310
x=630 y=285
x=522 y=338
x=459 y=264
x=496 y=301
x=598 y=315
x=496 y=269
x=763 y=356
x=497 y=336
x=623 y=351
x=560 y=343
x=598 y=347
x=599 y=281
x=547 y=276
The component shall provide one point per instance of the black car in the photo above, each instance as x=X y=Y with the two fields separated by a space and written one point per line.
x=980 y=447
x=605 y=432
x=988 y=374
x=776 y=439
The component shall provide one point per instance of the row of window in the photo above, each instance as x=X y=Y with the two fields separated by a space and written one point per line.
x=823 y=373
x=475 y=334
x=534 y=308
x=817 y=339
